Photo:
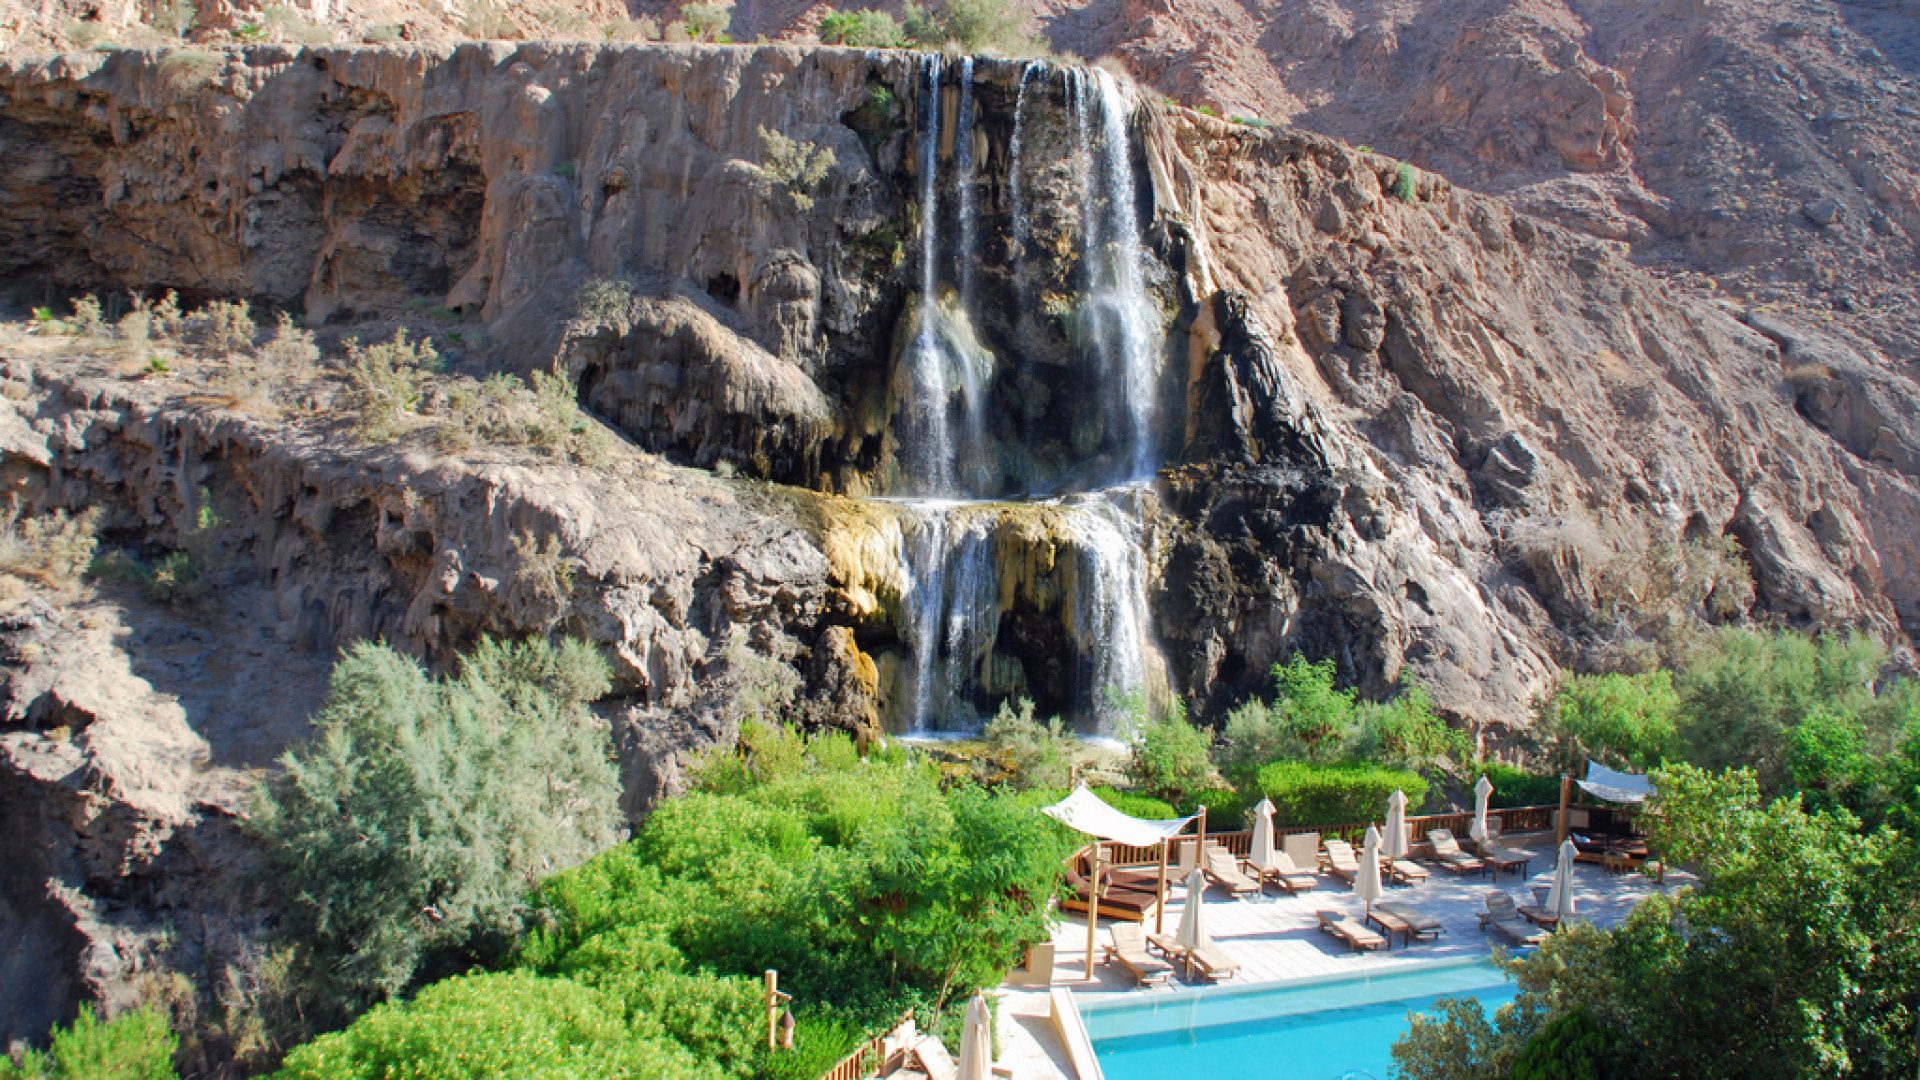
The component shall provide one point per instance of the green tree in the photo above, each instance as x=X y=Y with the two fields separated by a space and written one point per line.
x=865 y=29
x=136 y=1045
x=1028 y=753
x=480 y=1026
x=1625 y=721
x=1309 y=719
x=1405 y=731
x=1169 y=757
x=403 y=838
x=972 y=25
x=1794 y=956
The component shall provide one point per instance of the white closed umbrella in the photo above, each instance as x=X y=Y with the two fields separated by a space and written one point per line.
x=1482 y=791
x=1560 y=896
x=1367 y=885
x=1261 y=854
x=1396 y=840
x=976 y=1042
x=1193 y=929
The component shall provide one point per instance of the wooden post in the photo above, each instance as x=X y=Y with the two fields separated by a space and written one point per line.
x=773 y=1009
x=1566 y=798
x=1200 y=852
x=1160 y=895
x=1093 y=908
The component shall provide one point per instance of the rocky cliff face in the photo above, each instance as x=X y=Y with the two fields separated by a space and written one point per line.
x=1417 y=432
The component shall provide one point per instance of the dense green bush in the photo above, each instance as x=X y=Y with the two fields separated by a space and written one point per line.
x=1795 y=955
x=1226 y=807
x=975 y=26
x=136 y=1045
x=863 y=881
x=1304 y=793
x=865 y=29
x=1624 y=721
x=402 y=839
x=1169 y=757
x=497 y=1024
x=1568 y=1047
x=1312 y=719
x=1517 y=787
x=1025 y=752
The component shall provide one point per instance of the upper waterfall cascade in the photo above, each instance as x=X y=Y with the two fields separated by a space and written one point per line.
x=972 y=505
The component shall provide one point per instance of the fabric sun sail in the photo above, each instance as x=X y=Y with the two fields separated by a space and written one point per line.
x=1083 y=811
x=1617 y=787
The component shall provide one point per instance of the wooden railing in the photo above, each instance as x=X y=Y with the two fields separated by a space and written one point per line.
x=1516 y=819
x=869 y=1058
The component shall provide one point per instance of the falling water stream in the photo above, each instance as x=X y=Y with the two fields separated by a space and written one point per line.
x=954 y=526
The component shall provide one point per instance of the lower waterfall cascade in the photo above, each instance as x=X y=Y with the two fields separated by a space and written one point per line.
x=961 y=531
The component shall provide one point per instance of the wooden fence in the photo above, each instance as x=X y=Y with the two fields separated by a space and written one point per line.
x=869 y=1058
x=1516 y=819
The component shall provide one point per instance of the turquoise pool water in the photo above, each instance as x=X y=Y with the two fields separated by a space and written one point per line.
x=1321 y=1029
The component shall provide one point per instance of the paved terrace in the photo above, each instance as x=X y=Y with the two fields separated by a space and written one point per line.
x=1276 y=937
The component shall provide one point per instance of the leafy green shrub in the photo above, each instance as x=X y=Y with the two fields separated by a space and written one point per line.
x=1309 y=719
x=54 y=549
x=1026 y=752
x=1517 y=787
x=1625 y=721
x=1405 y=731
x=136 y=1045
x=1226 y=807
x=798 y=167
x=403 y=837
x=498 y=1024
x=1307 y=794
x=707 y=22
x=975 y=26
x=867 y=29
x=1403 y=183
x=1568 y=1047
x=385 y=383
x=860 y=879
x=1169 y=757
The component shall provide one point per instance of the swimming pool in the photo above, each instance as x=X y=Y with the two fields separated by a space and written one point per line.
x=1316 y=1029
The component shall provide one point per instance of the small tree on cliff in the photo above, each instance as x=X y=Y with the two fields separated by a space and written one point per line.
x=404 y=837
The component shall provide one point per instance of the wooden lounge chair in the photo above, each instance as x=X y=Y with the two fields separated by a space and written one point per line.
x=1209 y=959
x=1117 y=900
x=1222 y=871
x=1129 y=950
x=1340 y=860
x=1501 y=906
x=934 y=1059
x=1284 y=873
x=1447 y=852
x=1515 y=932
x=1406 y=871
x=1419 y=924
x=1350 y=930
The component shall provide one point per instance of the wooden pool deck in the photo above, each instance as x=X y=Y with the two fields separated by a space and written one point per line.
x=1276 y=937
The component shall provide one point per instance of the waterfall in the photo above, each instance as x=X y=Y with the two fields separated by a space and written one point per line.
x=963 y=169
x=1112 y=598
x=1092 y=573
x=1120 y=316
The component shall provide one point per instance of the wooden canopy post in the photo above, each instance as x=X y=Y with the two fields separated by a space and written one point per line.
x=1200 y=852
x=1566 y=800
x=1093 y=908
x=1160 y=892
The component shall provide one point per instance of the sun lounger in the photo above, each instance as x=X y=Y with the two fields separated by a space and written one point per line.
x=1284 y=873
x=1515 y=932
x=934 y=1059
x=1209 y=960
x=1129 y=950
x=1117 y=901
x=1350 y=930
x=1447 y=851
x=1222 y=871
x=1501 y=906
x=1407 y=871
x=1340 y=860
x=1419 y=924
x=1212 y=962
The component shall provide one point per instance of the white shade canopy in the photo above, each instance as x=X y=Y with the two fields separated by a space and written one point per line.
x=1482 y=792
x=1083 y=811
x=1261 y=853
x=1560 y=895
x=976 y=1041
x=1366 y=885
x=1193 y=928
x=1394 y=844
x=1617 y=787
